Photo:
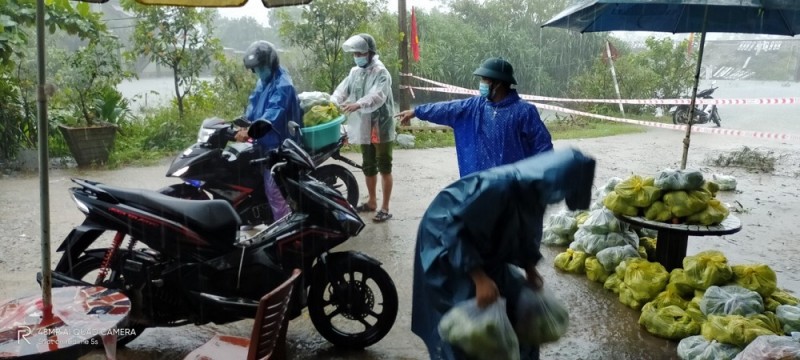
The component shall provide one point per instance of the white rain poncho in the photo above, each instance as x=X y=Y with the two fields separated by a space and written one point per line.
x=370 y=87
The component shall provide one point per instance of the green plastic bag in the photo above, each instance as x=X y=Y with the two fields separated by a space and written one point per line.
x=540 y=317
x=595 y=271
x=643 y=281
x=713 y=214
x=484 y=334
x=759 y=278
x=571 y=261
x=669 y=322
x=736 y=330
x=658 y=211
x=637 y=191
x=698 y=348
x=731 y=300
x=706 y=269
x=681 y=203
x=614 y=202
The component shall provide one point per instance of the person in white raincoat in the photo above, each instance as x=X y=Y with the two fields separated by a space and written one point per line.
x=366 y=97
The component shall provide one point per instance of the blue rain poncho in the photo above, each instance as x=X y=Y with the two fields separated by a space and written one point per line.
x=370 y=87
x=493 y=220
x=277 y=102
x=490 y=134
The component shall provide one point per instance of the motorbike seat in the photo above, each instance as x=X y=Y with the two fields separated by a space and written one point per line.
x=216 y=220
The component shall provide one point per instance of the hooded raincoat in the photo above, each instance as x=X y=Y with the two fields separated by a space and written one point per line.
x=490 y=134
x=457 y=234
x=277 y=102
x=370 y=87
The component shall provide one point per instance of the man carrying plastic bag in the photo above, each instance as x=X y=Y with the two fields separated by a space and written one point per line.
x=464 y=251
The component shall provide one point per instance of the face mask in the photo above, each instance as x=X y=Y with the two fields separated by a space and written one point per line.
x=264 y=73
x=361 y=61
x=483 y=89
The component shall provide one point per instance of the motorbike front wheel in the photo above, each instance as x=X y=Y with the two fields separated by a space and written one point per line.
x=340 y=179
x=715 y=117
x=86 y=268
x=353 y=304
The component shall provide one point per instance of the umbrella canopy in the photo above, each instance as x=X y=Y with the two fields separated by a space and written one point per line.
x=774 y=17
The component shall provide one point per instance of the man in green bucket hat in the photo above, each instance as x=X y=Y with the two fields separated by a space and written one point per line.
x=494 y=128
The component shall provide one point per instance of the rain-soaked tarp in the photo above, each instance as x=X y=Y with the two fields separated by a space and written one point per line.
x=491 y=219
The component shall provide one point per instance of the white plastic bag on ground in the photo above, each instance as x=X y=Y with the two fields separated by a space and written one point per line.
x=603 y=221
x=612 y=256
x=611 y=240
x=562 y=224
x=670 y=179
x=483 y=334
x=731 y=300
x=790 y=317
x=541 y=318
x=725 y=182
x=698 y=348
x=772 y=347
x=549 y=237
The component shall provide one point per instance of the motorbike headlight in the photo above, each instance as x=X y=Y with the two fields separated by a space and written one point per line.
x=350 y=223
x=181 y=171
x=203 y=134
x=81 y=206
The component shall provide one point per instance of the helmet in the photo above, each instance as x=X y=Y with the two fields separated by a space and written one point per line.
x=360 y=43
x=497 y=69
x=261 y=53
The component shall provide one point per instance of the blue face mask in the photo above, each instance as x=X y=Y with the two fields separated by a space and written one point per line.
x=361 y=61
x=264 y=73
x=483 y=89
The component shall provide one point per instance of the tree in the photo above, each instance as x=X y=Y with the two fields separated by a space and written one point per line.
x=240 y=33
x=180 y=38
x=322 y=28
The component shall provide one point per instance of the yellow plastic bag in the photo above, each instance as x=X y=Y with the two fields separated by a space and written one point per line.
x=759 y=278
x=736 y=329
x=571 y=261
x=642 y=252
x=713 y=214
x=643 y=281
x=711 y=187
x=669 y=322
x=581 y=217
x=618 y=205
x=693 y=308
x=784 y=298
x=672 y=296
x=638 y=191
x=649 y=245
x=658 y=211
x=595 y=270
x=681 y=283
x=706 y=269
x=320 y=114
x=613 y=283
x=682 y=203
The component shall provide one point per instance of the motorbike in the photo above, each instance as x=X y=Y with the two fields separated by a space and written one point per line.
x=220 y=169
x=680 y=113
x=194 y=267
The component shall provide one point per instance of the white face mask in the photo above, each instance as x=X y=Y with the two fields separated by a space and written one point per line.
x=360 y=60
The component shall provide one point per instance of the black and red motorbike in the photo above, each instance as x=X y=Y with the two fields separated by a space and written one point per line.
x=702 y=115
x=194 y=267
x=219 y=168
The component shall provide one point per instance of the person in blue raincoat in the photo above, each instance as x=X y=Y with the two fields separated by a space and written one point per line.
x=465 y=251
x=274 y=99
x=492 y=129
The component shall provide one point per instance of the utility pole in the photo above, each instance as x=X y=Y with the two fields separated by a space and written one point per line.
x=403 y=55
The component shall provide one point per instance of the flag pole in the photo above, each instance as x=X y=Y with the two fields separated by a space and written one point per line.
x=403 y=54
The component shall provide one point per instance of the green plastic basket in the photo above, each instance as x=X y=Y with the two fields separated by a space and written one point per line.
x=317 y=137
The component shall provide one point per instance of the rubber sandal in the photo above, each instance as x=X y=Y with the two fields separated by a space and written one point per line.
x=364 y=208
x=381 y=216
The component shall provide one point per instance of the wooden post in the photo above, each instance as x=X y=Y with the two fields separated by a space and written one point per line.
x=402 y=53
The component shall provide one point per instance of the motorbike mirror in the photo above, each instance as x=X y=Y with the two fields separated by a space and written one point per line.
x=259 y=128
x=241 y=122
x=293 y=126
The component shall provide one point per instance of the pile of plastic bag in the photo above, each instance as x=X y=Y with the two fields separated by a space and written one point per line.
x=772 y=347
x=672 y=196
x=318 y=108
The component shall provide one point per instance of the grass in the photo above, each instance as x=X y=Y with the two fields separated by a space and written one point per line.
x=749 y=159
x=564 y=128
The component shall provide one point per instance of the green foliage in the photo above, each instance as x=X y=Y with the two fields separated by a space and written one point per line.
x=180 y=38
x=662 y=70
x=240 y=33
x=322 y=28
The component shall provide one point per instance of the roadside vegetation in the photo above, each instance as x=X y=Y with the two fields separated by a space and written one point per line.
x=87 y=60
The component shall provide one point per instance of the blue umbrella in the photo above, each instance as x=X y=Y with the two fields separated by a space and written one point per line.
x=774 y=17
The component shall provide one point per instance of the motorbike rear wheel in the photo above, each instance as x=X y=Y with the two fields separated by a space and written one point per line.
x=340 y=179
x=681 y=116
x=85 y=268
x=716 y=118
x=340 y=294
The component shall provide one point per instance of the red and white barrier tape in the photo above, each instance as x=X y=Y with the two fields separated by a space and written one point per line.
x=753 y=101
x=697 y=129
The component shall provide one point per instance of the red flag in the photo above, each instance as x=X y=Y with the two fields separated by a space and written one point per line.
x=414 y=36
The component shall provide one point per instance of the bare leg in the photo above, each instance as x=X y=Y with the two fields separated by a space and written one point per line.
x=387 y=182
x=372 y=183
